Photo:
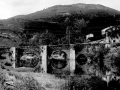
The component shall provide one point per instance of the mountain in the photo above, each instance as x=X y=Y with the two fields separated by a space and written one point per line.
x=85 y=9
x=55 y=12
x=53 y=19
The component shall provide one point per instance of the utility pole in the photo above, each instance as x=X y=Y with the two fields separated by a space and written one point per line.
x=68 y=34
x=67 y=22
x=67 y=30
x=69 y=37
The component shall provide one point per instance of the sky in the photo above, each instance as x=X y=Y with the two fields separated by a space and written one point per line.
x=10 y=8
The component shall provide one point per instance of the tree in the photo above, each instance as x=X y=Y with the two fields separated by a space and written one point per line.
x=74 y=30
x=112 y=60
x=78 y=25
x=96 y=55
x=23 y=38
x=47 y=38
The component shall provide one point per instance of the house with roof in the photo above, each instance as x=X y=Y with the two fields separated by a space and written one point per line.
x=110 y=36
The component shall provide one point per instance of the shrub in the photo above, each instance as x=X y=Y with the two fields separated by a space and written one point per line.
x=26 y=83
x=20 y=83
x=96 y=55
x=2 y=80
x=112 y=60
x=87 y=83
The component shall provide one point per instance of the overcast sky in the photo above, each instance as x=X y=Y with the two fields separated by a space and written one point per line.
x=10 y=8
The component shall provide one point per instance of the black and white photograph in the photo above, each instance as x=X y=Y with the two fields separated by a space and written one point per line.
x=59 y=44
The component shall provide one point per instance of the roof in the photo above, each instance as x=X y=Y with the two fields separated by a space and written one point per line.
x=106 y=29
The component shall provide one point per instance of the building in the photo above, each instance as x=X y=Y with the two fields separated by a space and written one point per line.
x=110 y=36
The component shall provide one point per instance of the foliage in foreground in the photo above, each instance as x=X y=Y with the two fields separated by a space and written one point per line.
x=112 y=60
x=16 y=81
x=87 y=83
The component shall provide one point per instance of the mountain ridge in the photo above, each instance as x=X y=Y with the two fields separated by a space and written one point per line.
x=79 y=8
x=58 y=9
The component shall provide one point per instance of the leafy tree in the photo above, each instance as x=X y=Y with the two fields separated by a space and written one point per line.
x=96 y=55
x=85 y=82
x=47 y=38
x=76 y=33
x=80 y=23
x=23 y=38
x=34 y=40
x=112 y=60
x=74 y=30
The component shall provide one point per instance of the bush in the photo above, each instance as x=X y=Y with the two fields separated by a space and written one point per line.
x=20 y=83
x=26 y=83
x=112 y=60
x=87 y=83
x=96 y=55
x=2 y=79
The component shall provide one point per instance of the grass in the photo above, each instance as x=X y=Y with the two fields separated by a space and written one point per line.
x=21 y=82
x=42 y=81
x=32 y=81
